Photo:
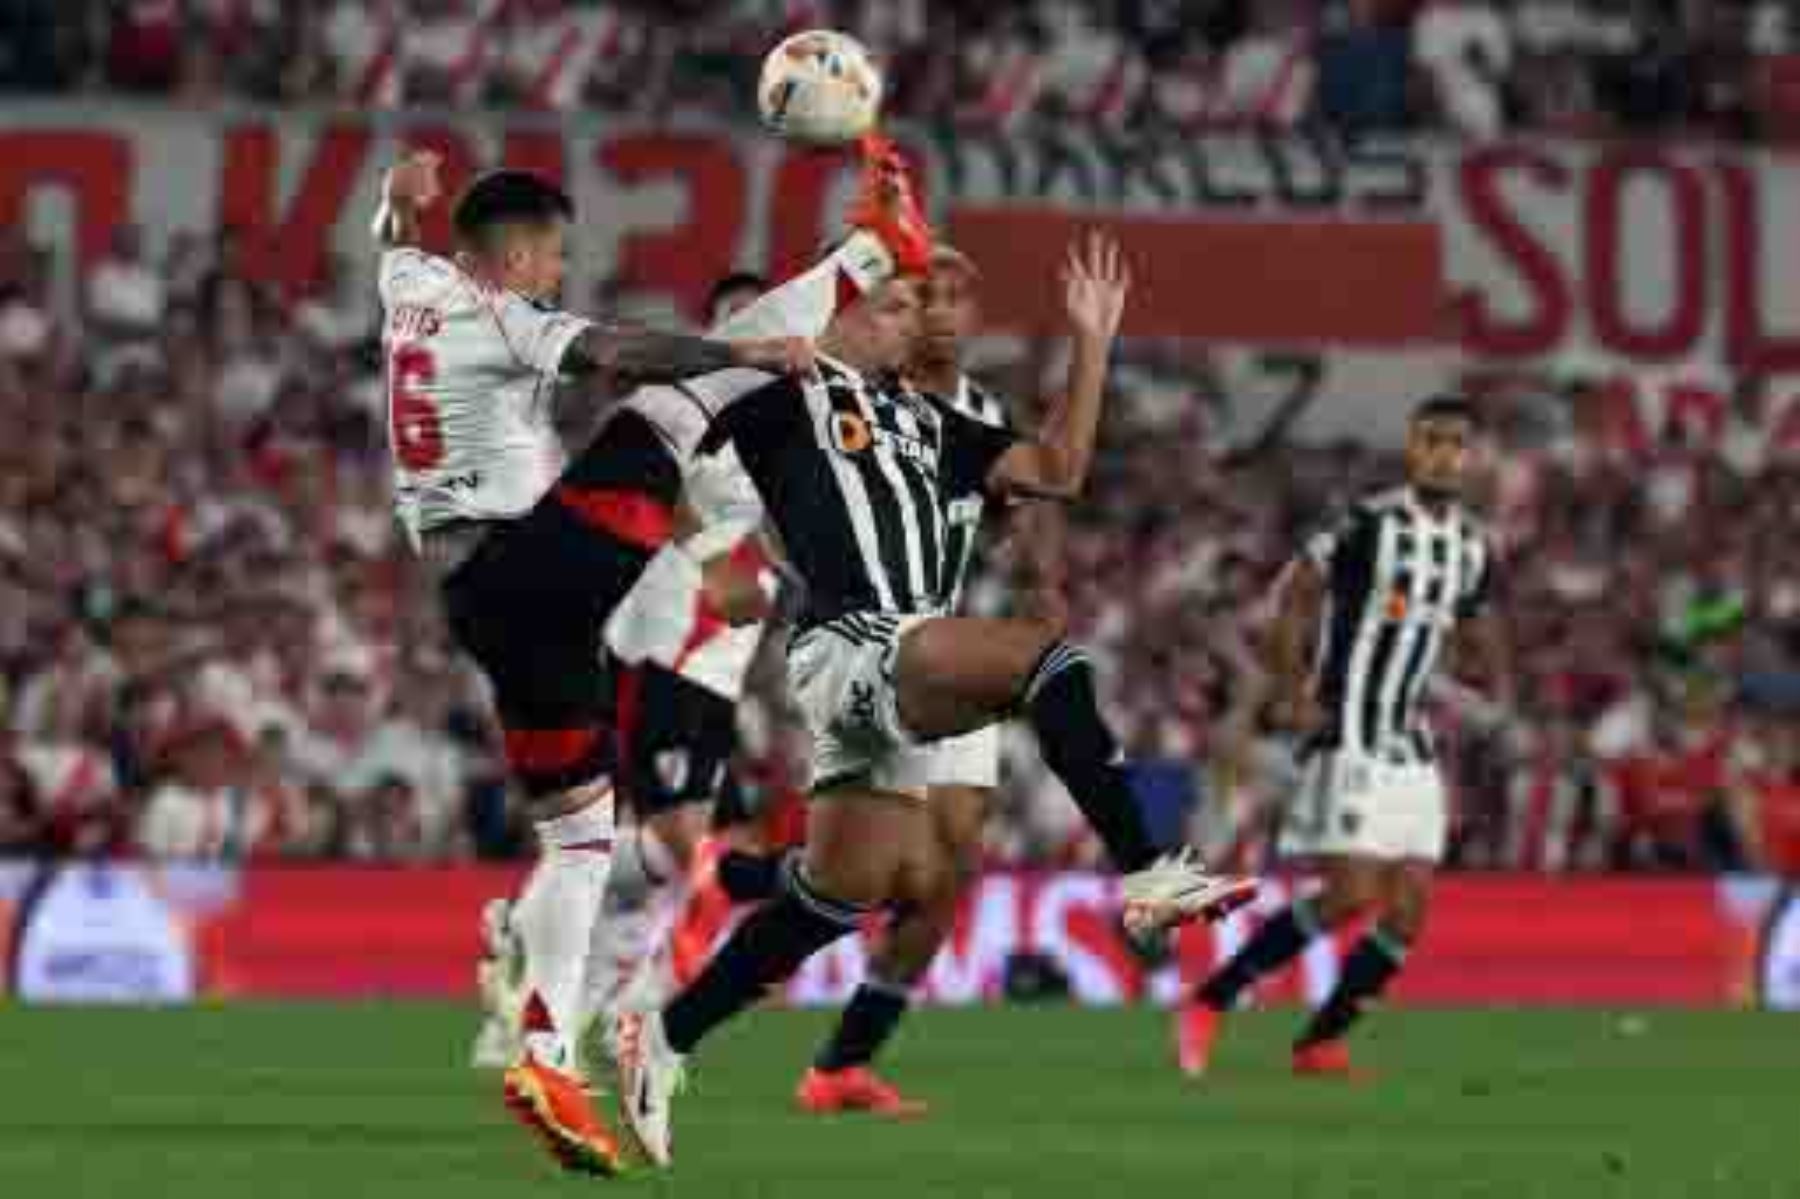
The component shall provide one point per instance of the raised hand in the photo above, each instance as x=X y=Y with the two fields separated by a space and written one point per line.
x=413 y=182
x=1095 y=283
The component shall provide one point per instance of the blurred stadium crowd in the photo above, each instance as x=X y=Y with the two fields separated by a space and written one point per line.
x=212 y=644
x=1721 y=68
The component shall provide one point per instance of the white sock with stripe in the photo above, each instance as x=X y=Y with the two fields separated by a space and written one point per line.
x=555 y=919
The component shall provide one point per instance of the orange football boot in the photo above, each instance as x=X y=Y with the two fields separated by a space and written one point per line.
x=1328 y=1059
x=855 y=1089
x=554 y=1106
x=1196 y=1028
x=887 y=207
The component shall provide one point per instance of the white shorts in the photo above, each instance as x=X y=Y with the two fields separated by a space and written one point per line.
x=842 y=676
x=971 y=760
x=1360 y=805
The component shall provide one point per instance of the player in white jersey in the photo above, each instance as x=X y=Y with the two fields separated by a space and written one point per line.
x=681 y=643
x=684 y=650
x=1366 y=611
x=533 y=549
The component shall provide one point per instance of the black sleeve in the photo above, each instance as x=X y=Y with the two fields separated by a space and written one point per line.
x=761 y=421
x=969 y=450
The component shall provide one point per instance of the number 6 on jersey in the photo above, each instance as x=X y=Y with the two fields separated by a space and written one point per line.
x=412 y=416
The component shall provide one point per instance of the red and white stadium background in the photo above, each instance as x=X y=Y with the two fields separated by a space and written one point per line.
x=1669 y=263
x=95 y=932
x=1667 y=267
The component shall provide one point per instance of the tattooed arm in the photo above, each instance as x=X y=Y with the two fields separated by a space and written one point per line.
x=633 y=354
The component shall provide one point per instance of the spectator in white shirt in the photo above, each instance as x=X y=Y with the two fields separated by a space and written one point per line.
x=206 y=808
x=1266 y=78
x=125 y=298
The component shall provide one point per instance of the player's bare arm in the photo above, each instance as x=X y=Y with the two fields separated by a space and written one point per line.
x=631 y=355
x=1037 y=535
x=1055 y=464
x=1480 y=657
x=409 y=188
x=1293 y=705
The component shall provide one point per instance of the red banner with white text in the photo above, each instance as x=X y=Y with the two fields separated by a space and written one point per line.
x=96 y=932
x=1406 y=263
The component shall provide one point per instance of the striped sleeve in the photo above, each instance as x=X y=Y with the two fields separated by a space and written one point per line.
x=970 y=450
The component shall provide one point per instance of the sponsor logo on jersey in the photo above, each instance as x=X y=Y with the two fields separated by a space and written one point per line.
x=469 y=480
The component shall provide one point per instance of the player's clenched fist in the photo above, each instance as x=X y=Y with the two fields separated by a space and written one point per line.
x=414 y=181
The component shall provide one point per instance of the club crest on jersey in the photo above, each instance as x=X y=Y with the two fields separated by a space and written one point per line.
x=850 y=433
x=672 y=769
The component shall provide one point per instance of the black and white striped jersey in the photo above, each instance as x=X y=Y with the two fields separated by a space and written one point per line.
x=858 y=477
x=1398 y=579
x=964 y=514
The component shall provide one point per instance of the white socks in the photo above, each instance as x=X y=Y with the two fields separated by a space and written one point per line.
x=642 y=865
x=804 y=305
x=555 y=919
x=647 y=884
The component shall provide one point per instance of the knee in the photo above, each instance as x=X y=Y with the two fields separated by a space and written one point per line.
x=1346 y=897
x=925 y=882
x=865 y=883
x=1048 y=617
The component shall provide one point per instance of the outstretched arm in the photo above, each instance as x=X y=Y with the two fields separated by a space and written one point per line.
x=1055 y=464
x=633 y=354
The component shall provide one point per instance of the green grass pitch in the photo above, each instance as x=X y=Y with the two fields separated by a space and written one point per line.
x=346 y=1102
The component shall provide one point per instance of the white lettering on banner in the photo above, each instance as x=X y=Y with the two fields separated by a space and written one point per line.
x=1577 y=256
x=102 y=933
x=1072 y=921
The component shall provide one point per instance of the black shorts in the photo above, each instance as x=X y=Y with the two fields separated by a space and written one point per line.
x=676 y=740
x=531 y=603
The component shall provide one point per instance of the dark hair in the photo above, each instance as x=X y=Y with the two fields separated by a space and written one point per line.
x=501 y=198
x=1446 y=407
x=735 y=281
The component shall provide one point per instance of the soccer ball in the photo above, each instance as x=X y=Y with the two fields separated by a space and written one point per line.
x=820 y=86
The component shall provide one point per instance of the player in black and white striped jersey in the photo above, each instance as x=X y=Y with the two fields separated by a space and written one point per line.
x=964 y=770
x=1376 y=599
x=856 y=471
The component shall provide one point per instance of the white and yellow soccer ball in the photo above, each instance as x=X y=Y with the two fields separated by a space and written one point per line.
x=820 y=87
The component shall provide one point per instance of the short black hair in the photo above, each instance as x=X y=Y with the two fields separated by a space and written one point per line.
x=735 y=281
x=501 y=198
x=1445 y=406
